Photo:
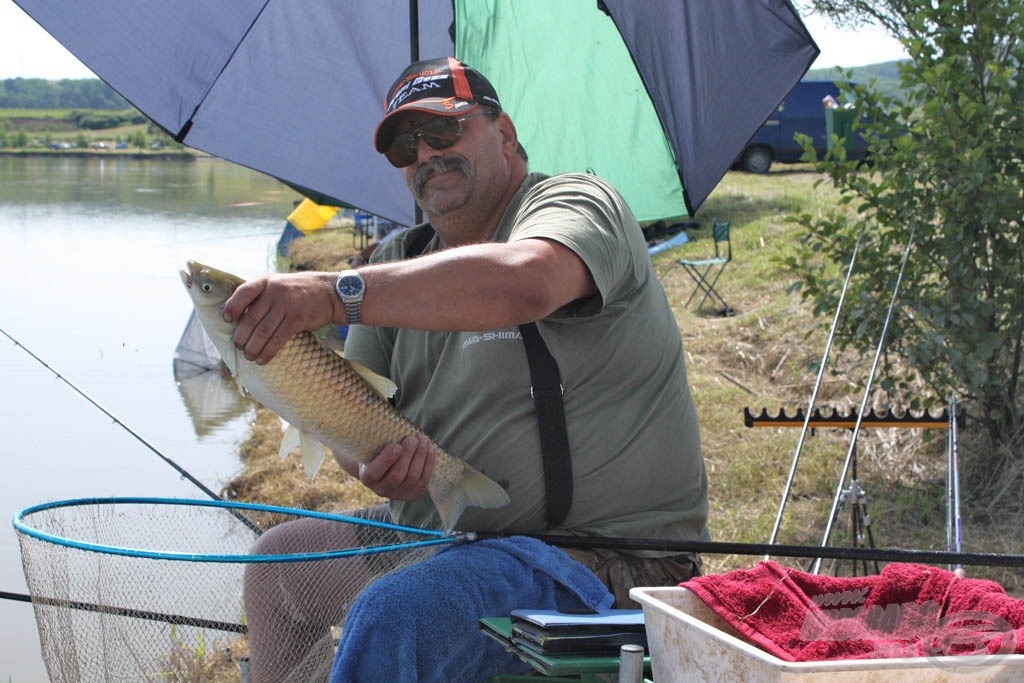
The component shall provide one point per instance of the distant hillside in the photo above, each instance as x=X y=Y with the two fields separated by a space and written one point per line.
x=67 y=93
x=884 y=75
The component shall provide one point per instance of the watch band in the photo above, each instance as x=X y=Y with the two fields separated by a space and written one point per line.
x=354 y=311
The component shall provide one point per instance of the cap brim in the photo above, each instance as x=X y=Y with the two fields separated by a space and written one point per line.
x=448 y=106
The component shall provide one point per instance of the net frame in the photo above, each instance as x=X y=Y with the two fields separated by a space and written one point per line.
x=435 y=537
x=83 y=638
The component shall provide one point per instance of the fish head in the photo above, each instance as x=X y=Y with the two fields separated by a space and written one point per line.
x=209 y=289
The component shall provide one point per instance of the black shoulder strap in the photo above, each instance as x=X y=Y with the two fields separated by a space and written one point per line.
x=546 y=389
x=420 y=241
x=554 y=438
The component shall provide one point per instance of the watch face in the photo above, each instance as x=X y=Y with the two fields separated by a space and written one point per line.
x=350 y=285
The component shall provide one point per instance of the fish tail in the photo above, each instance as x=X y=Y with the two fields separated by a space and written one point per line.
x=473 y=490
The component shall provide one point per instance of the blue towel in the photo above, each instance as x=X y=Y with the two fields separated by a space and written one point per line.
x=420 y=624
x=675 y=241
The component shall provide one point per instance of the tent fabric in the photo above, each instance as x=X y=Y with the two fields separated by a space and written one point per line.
x=295 y=89
x=724 y=97
x=609 y=136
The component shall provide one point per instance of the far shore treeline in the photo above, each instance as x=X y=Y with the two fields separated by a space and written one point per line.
x=82 y=116
x=67 y=93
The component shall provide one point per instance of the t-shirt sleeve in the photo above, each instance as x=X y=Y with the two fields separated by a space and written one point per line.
x=588 y=216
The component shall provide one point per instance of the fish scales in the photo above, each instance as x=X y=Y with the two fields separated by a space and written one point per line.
x=329 y=401
x=317 y=388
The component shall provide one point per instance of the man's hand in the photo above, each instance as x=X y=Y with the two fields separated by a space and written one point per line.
x=272 y=308
x=402 y=470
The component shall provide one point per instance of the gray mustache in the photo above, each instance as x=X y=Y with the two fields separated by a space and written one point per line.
x=439 y=165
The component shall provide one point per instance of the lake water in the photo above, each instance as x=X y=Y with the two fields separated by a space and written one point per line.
x=89 y=283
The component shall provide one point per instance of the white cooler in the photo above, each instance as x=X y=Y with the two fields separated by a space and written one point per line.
x=689 y=642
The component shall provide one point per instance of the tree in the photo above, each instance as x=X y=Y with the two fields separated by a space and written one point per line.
x=39 y=93
x=947 y=179
x=138 y=139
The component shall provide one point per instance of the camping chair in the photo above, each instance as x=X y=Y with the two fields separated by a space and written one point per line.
x=705 y=272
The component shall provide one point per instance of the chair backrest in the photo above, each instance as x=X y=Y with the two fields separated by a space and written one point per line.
x=720 y=232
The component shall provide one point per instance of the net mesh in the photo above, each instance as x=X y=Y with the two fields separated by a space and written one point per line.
x=190 y=591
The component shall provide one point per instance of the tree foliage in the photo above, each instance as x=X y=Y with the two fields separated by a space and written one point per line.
x=67 y=93
x=946 y=180
x=94 y=120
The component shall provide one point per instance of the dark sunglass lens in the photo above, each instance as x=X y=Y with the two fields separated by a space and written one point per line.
x=439 y=133
x=402 y=151
x=442 y=132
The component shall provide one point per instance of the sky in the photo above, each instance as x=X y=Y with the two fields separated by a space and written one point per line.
x=26 y=50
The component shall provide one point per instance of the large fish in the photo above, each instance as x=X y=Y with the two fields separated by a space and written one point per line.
x=330 y=401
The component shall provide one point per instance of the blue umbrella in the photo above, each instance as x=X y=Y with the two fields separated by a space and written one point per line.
x=657 y=96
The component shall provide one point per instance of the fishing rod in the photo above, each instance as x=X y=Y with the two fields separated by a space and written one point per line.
x=175 y=619
x=851 y=454
x=730 y=548
x=954 y=532
x=805 y=430
x=181 y=470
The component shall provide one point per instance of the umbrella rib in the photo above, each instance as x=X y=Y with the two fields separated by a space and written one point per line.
x=183 y=133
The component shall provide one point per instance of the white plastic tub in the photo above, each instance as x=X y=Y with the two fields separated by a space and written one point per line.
x=689 y=642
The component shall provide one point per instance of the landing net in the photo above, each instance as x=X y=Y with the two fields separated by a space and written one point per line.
x=160 y=589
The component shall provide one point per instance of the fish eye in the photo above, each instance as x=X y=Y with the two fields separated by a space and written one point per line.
x=207 y=287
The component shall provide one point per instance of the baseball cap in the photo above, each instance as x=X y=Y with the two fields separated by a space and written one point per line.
x=442 y=86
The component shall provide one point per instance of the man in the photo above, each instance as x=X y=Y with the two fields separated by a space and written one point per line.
x=503 y=248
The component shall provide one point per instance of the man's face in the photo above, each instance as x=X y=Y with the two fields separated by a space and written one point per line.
x=445 y=180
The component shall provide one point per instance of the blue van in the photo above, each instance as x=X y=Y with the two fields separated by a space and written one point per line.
x=803 y=111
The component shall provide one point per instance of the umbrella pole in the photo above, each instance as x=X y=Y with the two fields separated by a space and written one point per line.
x=414 y=56
x=414 y=31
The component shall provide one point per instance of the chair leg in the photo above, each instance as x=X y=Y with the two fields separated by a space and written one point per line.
x=726 y=309
x=707 y=286
x=694 y=273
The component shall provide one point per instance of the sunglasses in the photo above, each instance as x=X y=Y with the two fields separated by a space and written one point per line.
x=439 y=132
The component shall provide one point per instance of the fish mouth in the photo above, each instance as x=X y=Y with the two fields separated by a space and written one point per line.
x=186 y=275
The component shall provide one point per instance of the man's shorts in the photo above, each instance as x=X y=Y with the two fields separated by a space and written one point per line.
x=620 y=572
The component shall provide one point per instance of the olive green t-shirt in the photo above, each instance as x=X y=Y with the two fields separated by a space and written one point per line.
x=637 y=465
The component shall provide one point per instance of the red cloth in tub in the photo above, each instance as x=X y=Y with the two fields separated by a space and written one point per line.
x=908 y=610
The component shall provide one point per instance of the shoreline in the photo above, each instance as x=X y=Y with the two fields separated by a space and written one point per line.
x=102 y=154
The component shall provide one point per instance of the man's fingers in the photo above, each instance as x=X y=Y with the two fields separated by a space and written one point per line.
x=260 y=331
x=270 y=309
x=244 y=294
x=422 y=466
x=401 y=470
x=373 y=472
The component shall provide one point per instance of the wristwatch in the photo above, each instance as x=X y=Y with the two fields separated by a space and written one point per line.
x=351 y=289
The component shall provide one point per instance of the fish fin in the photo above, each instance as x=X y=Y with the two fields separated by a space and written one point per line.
x=289 y=440
x=473 y=490
x=382 y=385
x=231 y=361
x=312 y=454
x=311 y=450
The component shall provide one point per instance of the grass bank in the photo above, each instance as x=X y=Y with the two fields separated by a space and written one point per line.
x=763 y=357
x=83 y=131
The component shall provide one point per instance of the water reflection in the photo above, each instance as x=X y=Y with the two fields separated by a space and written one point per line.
x=211 y=396
x=212 y=400
x=92 y=252
x=202 y=187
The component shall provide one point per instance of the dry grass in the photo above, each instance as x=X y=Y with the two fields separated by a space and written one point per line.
x=268 y=478
x=763 y=357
